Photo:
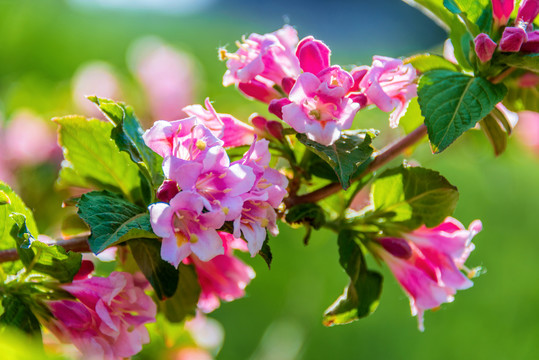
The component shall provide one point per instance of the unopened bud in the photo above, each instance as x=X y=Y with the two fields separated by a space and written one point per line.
x=275 y=129
x=167 y=190
x=397 y=247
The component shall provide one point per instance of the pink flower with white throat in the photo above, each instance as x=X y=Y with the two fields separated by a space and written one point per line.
x=106 y=319
x=258 y=213
x=390 y=85
x=427 y=262
x=264 y=59
x=224 y=277
x=230 y=130
x=186 y=228
x=318 y=106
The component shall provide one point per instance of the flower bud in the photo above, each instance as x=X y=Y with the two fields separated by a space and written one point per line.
x=528 y=11
x=313 y=55
x=484 y=47
x=276 y=107
x=532 y=45
x=167 y=190
x=259 y=91
x=501 y=11
x=512 y=39
x=396 y=247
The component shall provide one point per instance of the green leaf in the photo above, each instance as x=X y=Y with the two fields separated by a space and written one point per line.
x=184 y=302
x=162 y=276
x=527 y=62
x=346 y=155
x=93 y=160
x=73 y=226
x=362 y=295
x=520 y=98
x=265 y=252
x=308 y=213
x=452 y=103
x=494 y=133
x=19 y=315
x=412 y=196
x=128 y=136
x=4 y=199
x=112 y=220
x=14 y=204
x=452 y=6
x=52 y=260
x=426 y=62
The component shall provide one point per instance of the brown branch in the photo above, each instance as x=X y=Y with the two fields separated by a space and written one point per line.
x=77 y=244
x=382 y=157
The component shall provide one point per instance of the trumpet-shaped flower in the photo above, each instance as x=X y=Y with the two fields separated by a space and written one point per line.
x=318 y=106
x=268 y=58
x=187 y=225
x=390 y=85
x=427 y=263
x=230 y=130
x=224 y=277
x=106 y=319
x=258 y=212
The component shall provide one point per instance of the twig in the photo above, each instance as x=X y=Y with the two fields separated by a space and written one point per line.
x=383 y=157
x=77 y=244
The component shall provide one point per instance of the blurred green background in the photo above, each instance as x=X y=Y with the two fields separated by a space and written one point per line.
x=44 y=43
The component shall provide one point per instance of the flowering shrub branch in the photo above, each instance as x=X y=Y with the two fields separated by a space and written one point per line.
x=172 y=203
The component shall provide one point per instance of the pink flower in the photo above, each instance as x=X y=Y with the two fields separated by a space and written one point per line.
x=532 y=45
x=106 y=319
x=528 y=130
x=230 y=130
x=427 y=263
x=527 y=12
x=224 y=277
x=501 y=11
x=313 y=55
x=484 y=47
x=390 y=85
x=186 y=228
x=186 y=139
x=267 y=193
x=167 y=76
x=267 y=58
x=319 y=107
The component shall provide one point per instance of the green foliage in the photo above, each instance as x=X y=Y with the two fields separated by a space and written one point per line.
x=184 y=302
x=346 y=155
x=12 y=203
x=426 y=62
x=521 y=98
x=307 y=213
x=362 y=295
x=162 y=276
x=527 y=62
x=412 y=196
x=18 y=314
x=494 y=133
x=92 y=159
x=265 y=252
x=128 y=136
x=452 y=103
x=52 y=260
x=112 y=220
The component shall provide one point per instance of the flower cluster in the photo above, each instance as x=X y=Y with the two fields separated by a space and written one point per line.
x=518 y=38
x=427 y=262
x=303 y=89
x=106 y=319
x=204 y=189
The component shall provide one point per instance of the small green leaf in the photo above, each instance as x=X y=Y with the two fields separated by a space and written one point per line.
x=452 y=6
x=52 y=260
x=4 y=199
x=452 y=103
x=19 y=315
x=412 y=196
x=162 y=276
x=309 y=213
x=184 y=302
x=73 y=226
x=362 y=295
x=7 y=240
x=265 y=252
x=520 y=98
x=93 y=160
x=527 y=62
x=112 y=220
x=346 y=155
x=494 y=133
x=427 y=62
x=128 y=136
